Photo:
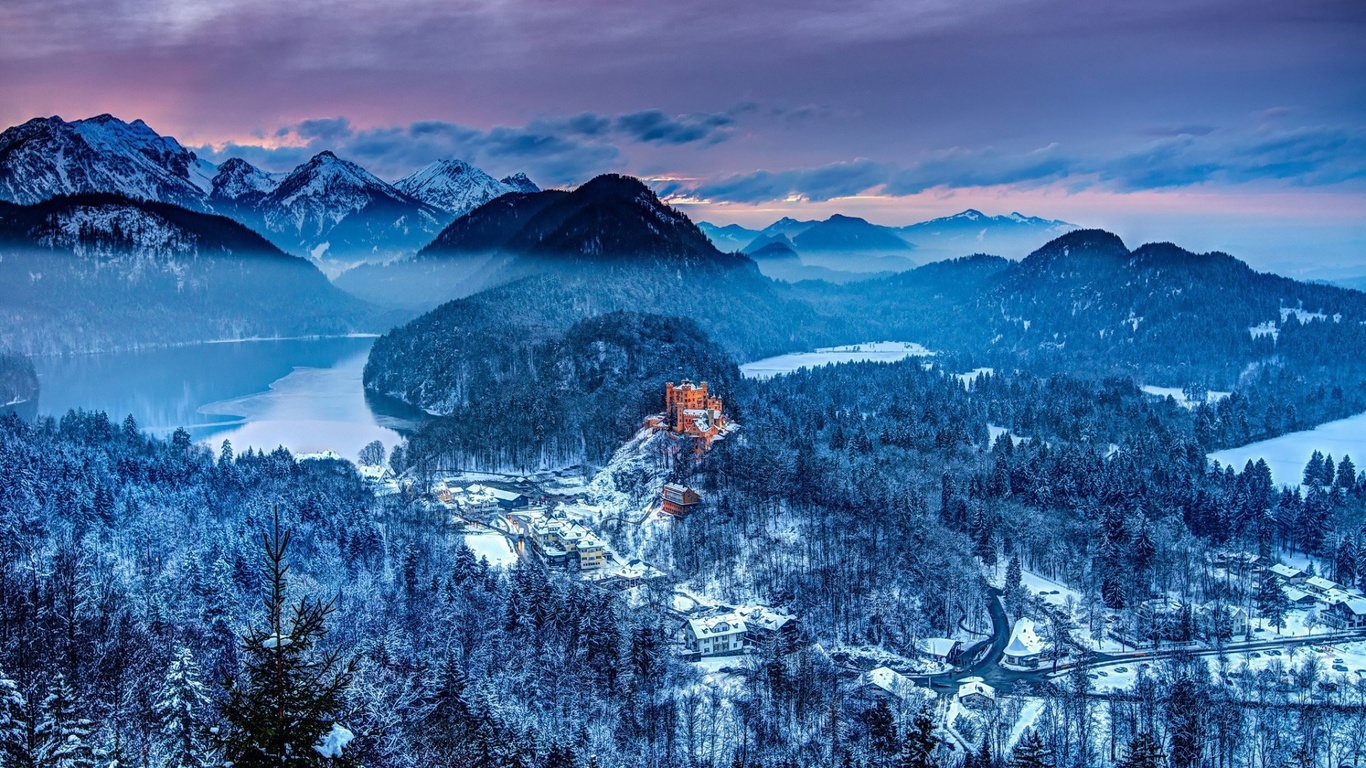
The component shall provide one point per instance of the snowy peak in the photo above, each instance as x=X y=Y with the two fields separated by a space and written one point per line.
x=46 y=157
x=237 y=180
x=455 y=186
x=519 y=182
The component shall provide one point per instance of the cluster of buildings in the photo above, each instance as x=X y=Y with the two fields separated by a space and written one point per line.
x=1341 y=606
x=557 y=541
x=479 y=498
x=730 y=632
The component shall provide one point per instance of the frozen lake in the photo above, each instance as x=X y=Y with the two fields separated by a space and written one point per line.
x=304 y=394
x=878 y=351
x=1287 y=454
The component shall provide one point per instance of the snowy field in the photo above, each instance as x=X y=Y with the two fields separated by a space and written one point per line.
x=1332 y=661
x=491 y=547
x=880 y=351
x=1287 y=454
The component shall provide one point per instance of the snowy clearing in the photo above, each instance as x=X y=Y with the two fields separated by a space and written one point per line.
x=879 y=351
x=491 y=547
x=1287 y=454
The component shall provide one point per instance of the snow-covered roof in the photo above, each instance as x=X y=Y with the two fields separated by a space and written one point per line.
x=502 y=495
x=763 y=618
x=889 y=680
x=938 y=646
x=1286 y=571
x=1024 y=641
x=1297 y=595
x=975 y=687
x=1357 y=607
x=717 y=626
x=1320 y=583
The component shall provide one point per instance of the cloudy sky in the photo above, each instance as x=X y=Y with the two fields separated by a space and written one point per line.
x=1219 y=124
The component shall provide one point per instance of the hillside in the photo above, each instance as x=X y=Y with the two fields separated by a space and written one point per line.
x=100 y=272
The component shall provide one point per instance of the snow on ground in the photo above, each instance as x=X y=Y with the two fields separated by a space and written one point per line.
x=1287 y=454
x=971 y=376
x=1176 y=394
x=1033 y=707
x=1345 y=660
x=1267 y=328
x=881 y=351
x=492 y=547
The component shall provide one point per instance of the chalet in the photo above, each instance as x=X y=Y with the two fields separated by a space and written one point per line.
x=508 y=499
x=1348 y=614
x=885 y=683
x=1319 y=585
x=944 y=649
x=974 y=693
x=678 y=500
x=1299 y=597
x=764 y=624
x=715 y=636
x=1287 y=575
x=1025 y=647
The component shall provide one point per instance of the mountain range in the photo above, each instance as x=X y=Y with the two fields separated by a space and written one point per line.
x=329 y=209
x=846 y=248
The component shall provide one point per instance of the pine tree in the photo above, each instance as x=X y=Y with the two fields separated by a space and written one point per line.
x=13 y=725
x=1271 y=600
x=63 y=735
x=181 y=708
x=1143 y=751
x=1313 y=471
x=1345 y=563
x=1347 y=473
x=918 y=743
x=290 y=692
x=1030 y=752
x=1014 y=573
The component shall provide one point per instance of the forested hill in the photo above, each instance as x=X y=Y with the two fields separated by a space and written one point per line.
x=610 y=223
x=98 y=272
x=1085 y=302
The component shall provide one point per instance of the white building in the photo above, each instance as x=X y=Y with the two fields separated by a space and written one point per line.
x=1025 y=647
x=715 y=635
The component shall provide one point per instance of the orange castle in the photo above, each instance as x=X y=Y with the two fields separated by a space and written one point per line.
x=690 y=410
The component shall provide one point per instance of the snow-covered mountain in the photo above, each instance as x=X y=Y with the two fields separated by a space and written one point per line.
x=972 y=231
x=519 y=182
x=49 y=156
x=457 y=187
x=327 y=208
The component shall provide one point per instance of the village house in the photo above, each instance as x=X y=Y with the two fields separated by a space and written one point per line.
x=974 y=693
x=1025 y=647
x=885 y=683
x=765 y=624
x=1298 y=597
x=1348 y=614
x=1220 y=620
x=941 y=649
x=1287 y=575
x=508 y=499
x=678 y=500
x=1319 y=586
x=716 y=635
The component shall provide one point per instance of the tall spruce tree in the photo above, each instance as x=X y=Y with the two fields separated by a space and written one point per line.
x=1030 y=752
x=1144 y=751
x=182 y=707
x=13 y=726
x=63 y=733
x=287 y=700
